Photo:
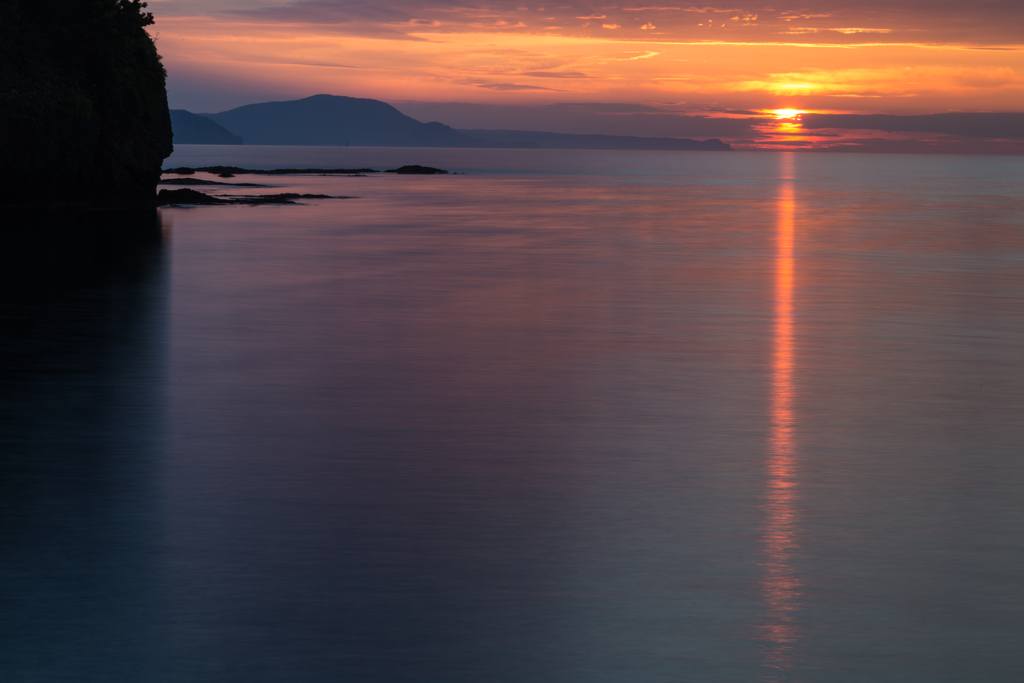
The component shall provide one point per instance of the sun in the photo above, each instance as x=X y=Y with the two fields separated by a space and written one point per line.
x=788 y=113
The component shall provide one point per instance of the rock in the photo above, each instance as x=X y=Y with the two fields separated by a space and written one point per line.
x=220 y=170
x=199 y=181
x=192 y=197
x=83 y=106
x=186 y=196
x=416 y=170
x=285 y=198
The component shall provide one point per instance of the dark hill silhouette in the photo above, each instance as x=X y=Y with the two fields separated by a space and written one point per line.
x=335 y=120
x=527 y=139
x=83 y=107
x=193 y=129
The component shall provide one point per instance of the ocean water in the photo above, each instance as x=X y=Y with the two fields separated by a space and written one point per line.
x=570 y=417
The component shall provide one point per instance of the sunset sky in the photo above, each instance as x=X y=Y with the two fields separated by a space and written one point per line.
x=644 y=68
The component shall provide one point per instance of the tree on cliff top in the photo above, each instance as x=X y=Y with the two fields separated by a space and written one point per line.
x=83 y=103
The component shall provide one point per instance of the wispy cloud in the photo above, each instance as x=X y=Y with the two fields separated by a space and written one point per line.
x=932 y=22
x=510 y=86
x=556 y=74
x=642 y=55
x=850 y=31
x=964 y=124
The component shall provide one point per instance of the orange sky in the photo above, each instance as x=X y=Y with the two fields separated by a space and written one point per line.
x=902 y=56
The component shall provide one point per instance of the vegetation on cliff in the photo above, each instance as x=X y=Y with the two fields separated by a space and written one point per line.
x=83 y=105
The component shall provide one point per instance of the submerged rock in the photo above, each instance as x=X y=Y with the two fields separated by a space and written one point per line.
x=83 y=106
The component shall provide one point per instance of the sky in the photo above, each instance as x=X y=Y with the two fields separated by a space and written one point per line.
x=630 y=68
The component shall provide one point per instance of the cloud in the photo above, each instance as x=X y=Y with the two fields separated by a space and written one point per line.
x=331 y=12
x=801 y=30
x=449 y=49
x=890 y=81
x=510 y=86
x=912 y=146
x=859 y=30
x=967 y=124
x=604 y=107
x=585 y=118
x=789 y=16
x=556 y=74
x=642 y=55
x=930 y=22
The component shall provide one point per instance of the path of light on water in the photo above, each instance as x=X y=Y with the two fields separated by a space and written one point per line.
x=780 y=585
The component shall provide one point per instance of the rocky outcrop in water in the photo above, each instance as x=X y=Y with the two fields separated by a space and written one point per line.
x=83 y=106
x=187 y=197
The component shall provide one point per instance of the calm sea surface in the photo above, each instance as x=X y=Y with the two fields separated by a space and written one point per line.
x=588 y=417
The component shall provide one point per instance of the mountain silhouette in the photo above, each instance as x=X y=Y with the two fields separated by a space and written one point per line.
x=333 y=120
x=193 y=129
x=529 y=139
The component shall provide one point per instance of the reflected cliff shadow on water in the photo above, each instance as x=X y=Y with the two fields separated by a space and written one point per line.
x=82 y=308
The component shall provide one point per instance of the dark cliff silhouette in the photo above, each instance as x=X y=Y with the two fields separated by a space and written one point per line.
x=337 y=121
x=83 y=106
x=193 y=129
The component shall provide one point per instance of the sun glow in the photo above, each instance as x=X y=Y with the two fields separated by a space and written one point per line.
x=791 y=114
x=217 y=63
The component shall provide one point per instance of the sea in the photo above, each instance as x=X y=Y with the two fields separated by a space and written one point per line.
x=555 y=417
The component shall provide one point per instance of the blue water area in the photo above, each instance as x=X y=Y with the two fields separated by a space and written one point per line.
x=572 y=416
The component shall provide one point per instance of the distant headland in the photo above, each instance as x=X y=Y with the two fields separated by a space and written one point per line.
x=332 y=120
x=84 y=120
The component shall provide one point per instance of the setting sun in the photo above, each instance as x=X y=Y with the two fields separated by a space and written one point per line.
x=788 y=113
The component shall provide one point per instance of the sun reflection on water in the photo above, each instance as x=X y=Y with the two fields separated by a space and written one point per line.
x=780 y=586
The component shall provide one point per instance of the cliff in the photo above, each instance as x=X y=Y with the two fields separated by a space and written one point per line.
x=83 y=106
